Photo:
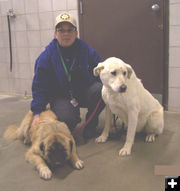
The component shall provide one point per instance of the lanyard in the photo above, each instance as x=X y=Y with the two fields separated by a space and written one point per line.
x=68 y=74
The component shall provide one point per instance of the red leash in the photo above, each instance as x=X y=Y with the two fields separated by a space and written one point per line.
x=89 y=119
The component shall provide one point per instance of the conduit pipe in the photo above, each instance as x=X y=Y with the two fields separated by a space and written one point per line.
x=10 y=14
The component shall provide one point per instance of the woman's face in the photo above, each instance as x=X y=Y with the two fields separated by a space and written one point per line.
x=66 y=34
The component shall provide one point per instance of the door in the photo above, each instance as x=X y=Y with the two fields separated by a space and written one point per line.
x=130 y=30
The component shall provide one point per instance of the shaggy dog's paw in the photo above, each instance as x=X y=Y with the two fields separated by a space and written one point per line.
x=150 y=138
x=125 y=151
x=101 y=139
x=45 y=173
x=79 y=164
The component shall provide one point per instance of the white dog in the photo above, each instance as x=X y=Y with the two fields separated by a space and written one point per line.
x=126 y=97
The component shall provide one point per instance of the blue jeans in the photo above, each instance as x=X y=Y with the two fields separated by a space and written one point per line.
x=69 y=114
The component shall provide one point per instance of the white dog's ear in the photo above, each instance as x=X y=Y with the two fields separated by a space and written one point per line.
x=97 y=69
x=129 y=69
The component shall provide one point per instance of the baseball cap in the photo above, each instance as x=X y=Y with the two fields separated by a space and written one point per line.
x=65 y=17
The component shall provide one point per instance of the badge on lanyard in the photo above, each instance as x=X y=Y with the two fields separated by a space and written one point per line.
x=73 y=101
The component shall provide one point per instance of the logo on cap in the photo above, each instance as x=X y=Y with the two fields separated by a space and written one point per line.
x=65 y=16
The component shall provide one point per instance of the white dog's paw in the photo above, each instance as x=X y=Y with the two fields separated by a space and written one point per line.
x=45 y=173
x=150 y=138
x=101 y=139
x=79 y=164
x=125 y=151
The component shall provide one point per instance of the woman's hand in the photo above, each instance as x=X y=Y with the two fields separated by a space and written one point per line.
x=35 y=120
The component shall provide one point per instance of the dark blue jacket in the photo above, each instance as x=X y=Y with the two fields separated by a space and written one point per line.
x=50 y=80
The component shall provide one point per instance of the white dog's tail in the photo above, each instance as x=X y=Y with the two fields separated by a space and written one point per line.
x=11 y=133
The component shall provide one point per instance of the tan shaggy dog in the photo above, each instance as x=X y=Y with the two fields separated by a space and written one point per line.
x=52 y=142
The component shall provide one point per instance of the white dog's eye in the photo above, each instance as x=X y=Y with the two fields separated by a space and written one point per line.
x=113 y=73
x=124 y=73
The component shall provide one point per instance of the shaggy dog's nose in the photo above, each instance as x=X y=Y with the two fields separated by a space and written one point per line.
x=122 y=88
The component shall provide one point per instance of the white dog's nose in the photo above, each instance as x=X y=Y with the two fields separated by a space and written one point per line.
x=122 y=88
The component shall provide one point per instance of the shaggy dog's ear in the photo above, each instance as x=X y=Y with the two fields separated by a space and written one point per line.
x=71 y=146
x=42 y=147
x=130 y=70
x=97 y=69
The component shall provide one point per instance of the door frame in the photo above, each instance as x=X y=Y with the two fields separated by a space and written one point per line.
x=165 y=45
x=165 y=54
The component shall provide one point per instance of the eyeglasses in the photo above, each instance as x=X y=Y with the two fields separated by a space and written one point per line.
x=62 y=31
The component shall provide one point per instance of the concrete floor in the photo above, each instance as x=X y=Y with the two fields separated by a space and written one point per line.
x=104 y=169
